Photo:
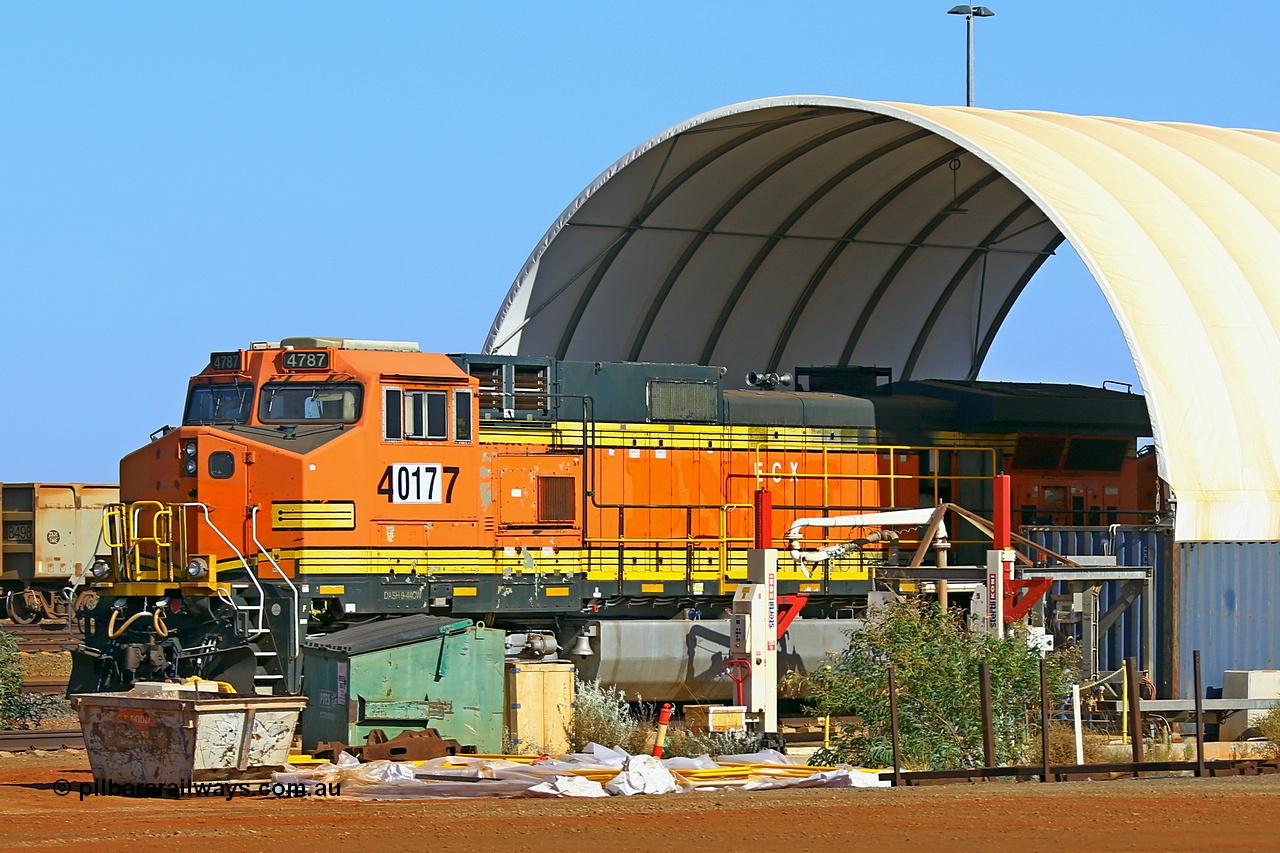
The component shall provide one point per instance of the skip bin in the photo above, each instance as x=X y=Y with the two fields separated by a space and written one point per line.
x=411 y=672
x=174 y=737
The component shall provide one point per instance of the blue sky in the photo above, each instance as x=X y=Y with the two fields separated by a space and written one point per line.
x=182 y=178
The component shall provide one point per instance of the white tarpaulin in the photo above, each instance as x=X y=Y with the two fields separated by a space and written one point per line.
x=572 y=775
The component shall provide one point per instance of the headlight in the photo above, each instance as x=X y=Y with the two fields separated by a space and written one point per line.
x=189 y=449
x=100 y=569
x=189 y=467
x=197 y=568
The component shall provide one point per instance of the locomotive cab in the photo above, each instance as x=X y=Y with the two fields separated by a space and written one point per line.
x=279 y=448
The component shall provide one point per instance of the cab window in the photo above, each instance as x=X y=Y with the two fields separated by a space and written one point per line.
x=424 y=415
x=462 y=416
x=215 y=403
x=413 y=414
x=305 y=402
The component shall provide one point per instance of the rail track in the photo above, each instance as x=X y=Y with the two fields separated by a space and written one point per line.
x=40 y=638
x=44 y=685
x=20 y=741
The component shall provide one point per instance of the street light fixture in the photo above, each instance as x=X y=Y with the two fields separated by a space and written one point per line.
x=970 y=12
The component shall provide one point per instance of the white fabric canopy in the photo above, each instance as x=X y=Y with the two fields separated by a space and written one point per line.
x=816 y=231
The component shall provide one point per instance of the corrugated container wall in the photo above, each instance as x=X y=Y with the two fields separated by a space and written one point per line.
x=1131 y=545
x=1228 y=597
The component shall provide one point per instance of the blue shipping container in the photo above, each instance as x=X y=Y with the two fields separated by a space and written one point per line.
x=1228 y=607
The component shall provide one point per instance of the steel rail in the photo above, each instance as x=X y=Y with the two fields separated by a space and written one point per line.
x=37 y=638
x=19 y=741
x=44 y=685
x=1080 y=772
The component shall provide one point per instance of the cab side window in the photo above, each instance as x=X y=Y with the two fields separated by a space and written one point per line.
x=415 y=415
x=392 y=414
x=462 y=416
x=424 y=415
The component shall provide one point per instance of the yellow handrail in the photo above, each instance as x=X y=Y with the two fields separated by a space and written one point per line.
x=121 y=526
x=115 y=511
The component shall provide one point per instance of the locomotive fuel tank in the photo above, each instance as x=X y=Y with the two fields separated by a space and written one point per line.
x=682 y=659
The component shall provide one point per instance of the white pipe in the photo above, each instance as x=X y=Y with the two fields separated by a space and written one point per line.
x=1075 y=710
x=262 y=596
x=297 y=613
x=892 y=518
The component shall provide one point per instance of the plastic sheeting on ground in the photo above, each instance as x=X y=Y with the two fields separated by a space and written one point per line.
x=599 y=771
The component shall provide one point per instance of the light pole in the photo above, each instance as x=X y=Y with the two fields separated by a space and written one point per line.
x=970 y=12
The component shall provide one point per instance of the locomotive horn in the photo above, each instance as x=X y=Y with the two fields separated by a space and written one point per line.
x=768 y=381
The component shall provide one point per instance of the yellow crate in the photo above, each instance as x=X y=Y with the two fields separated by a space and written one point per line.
x=539 y=704
x=715 y=718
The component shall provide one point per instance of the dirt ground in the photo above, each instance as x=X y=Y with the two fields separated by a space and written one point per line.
x=1148 y=814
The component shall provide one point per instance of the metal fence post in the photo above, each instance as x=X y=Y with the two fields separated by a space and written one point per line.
x=988 y=726
x=893 y=729
x=1044 y=722
x=1135 y=710
x=1195 y=663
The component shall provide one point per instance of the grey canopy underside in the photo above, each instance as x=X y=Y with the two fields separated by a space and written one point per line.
x=783 y=236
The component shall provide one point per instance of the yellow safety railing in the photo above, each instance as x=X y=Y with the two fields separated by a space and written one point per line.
x=894 y=474
x=830 y=478
x=113 y=522
x=892 y=451
x=128 y=528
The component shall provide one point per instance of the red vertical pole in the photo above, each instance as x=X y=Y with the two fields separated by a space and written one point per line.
x=764 y=518
x=664 y=719
x=1000 y=512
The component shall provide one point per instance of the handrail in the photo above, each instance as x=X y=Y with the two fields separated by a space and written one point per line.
x=891 y=451
x=131 y=535
x=243 y=562
x=253 y=530
x=162 y=511
x=111 y=511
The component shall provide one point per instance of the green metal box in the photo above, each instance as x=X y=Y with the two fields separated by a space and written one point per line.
x=409 y=672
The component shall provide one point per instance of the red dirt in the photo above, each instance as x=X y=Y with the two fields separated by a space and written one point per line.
x=1148 y=814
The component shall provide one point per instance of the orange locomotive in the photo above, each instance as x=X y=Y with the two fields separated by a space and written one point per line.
x=324 y=481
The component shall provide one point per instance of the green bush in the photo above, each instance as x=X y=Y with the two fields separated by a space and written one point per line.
x=1269 y=728
x=11 y=715
x=602 y=715
x=682 y=742
x=29 y=710
x=935 y=659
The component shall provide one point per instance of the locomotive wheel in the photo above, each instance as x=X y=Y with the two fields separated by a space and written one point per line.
x=21 y=610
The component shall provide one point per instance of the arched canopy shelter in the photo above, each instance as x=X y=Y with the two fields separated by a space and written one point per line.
x=819 y=231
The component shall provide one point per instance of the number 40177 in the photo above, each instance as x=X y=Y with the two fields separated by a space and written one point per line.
x=417 y=483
